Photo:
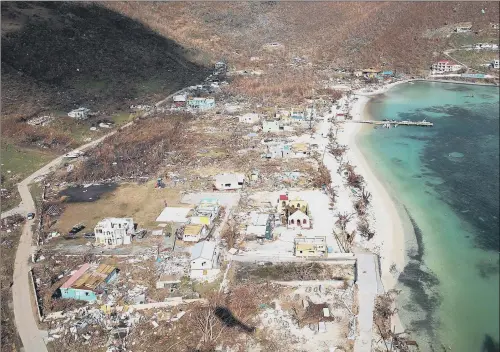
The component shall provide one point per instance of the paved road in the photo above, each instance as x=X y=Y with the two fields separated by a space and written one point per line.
x=31 y=336
x=367 y=290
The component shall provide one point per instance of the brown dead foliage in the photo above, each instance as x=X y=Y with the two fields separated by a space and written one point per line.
x=323 y=177
x=22 y=134
x=132 y=152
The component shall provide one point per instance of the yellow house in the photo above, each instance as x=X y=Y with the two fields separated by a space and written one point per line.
x=300 y=148
x=310 y=246
x=298 y=203
x=194 y=232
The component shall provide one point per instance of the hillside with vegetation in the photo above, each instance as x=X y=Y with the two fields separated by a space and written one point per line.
x=401 y=35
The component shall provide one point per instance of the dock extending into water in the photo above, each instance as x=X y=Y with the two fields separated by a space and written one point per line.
x=396 y=123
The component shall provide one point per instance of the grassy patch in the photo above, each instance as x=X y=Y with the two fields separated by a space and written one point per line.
x=142 y=202
x=475 y=59
x=21 y=162
x=36 y=190
x=122 y=118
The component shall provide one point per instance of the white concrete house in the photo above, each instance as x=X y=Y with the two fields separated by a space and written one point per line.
x=79 y=114
x=194 y=232
x=249 y=118
x=271 y=126
x=496 y=64
x=299 y=219
x=114 y=231
x=229 y=181
x=204 y=259
x=445 y=66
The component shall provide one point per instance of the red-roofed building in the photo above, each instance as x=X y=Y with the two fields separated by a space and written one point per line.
x=283 y=197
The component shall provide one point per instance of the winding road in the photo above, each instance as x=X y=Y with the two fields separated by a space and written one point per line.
x=31 y=336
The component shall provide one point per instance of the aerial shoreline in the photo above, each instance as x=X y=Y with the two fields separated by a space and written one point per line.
x=389 y=223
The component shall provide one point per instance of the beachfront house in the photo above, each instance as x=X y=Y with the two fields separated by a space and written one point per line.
x=445 y=66
x=249 y=118
x=194 y=232
x=310 y=246
x=201 y=103
x=79 y=114
x=204 y=259
x=114 y=231
x=229 y=181
x=88 y=282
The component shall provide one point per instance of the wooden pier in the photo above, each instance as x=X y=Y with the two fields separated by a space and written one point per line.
x=396 y=123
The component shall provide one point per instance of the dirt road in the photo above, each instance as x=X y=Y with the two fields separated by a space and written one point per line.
x=31 y=336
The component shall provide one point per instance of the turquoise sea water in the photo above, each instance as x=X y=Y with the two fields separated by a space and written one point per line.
x=445 y=180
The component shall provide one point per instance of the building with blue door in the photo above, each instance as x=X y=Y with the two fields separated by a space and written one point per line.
x=88 y=282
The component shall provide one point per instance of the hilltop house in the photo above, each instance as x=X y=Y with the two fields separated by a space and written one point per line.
x=249 y=118
x=180 y=100
x=201 y=103
x=79 y=114
x=229 y=181
x=445 y=66
x=88 y=282
x=114 y=231
x=310 y=246
x=298 y=114
x=194 y=232
x=463 y=27
x=204 y=259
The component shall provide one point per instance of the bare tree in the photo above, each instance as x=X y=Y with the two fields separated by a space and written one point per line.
x=231 y=233
x=332 y=194
x=365 y=230
x=343 y=219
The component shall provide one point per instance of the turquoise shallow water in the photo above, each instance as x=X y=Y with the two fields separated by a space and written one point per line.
x=446 y=179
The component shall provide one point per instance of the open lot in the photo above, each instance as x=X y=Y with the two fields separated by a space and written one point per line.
x=142 y=202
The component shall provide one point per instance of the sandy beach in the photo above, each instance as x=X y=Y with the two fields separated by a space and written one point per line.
x=389 y=240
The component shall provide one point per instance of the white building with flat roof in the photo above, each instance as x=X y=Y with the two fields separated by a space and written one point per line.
x=229 y=181
x=174 y=214
x=114 y=231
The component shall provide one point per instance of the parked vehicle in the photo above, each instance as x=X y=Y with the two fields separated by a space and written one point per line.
x=76 y=229
x=89 y=235
x=30 y=216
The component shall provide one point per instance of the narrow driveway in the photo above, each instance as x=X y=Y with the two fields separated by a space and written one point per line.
x=367 y=290
x=31 y=336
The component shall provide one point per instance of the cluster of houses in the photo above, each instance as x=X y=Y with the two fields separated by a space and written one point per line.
x=374 y=73
x=194 y=223
x=277 y=150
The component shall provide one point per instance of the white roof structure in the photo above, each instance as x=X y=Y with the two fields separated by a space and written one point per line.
x=297 y=215
x=174 y=214
x=229 y=178
x=259 y=231
x=180 y=97
x=203 y=249
x=258 y=219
